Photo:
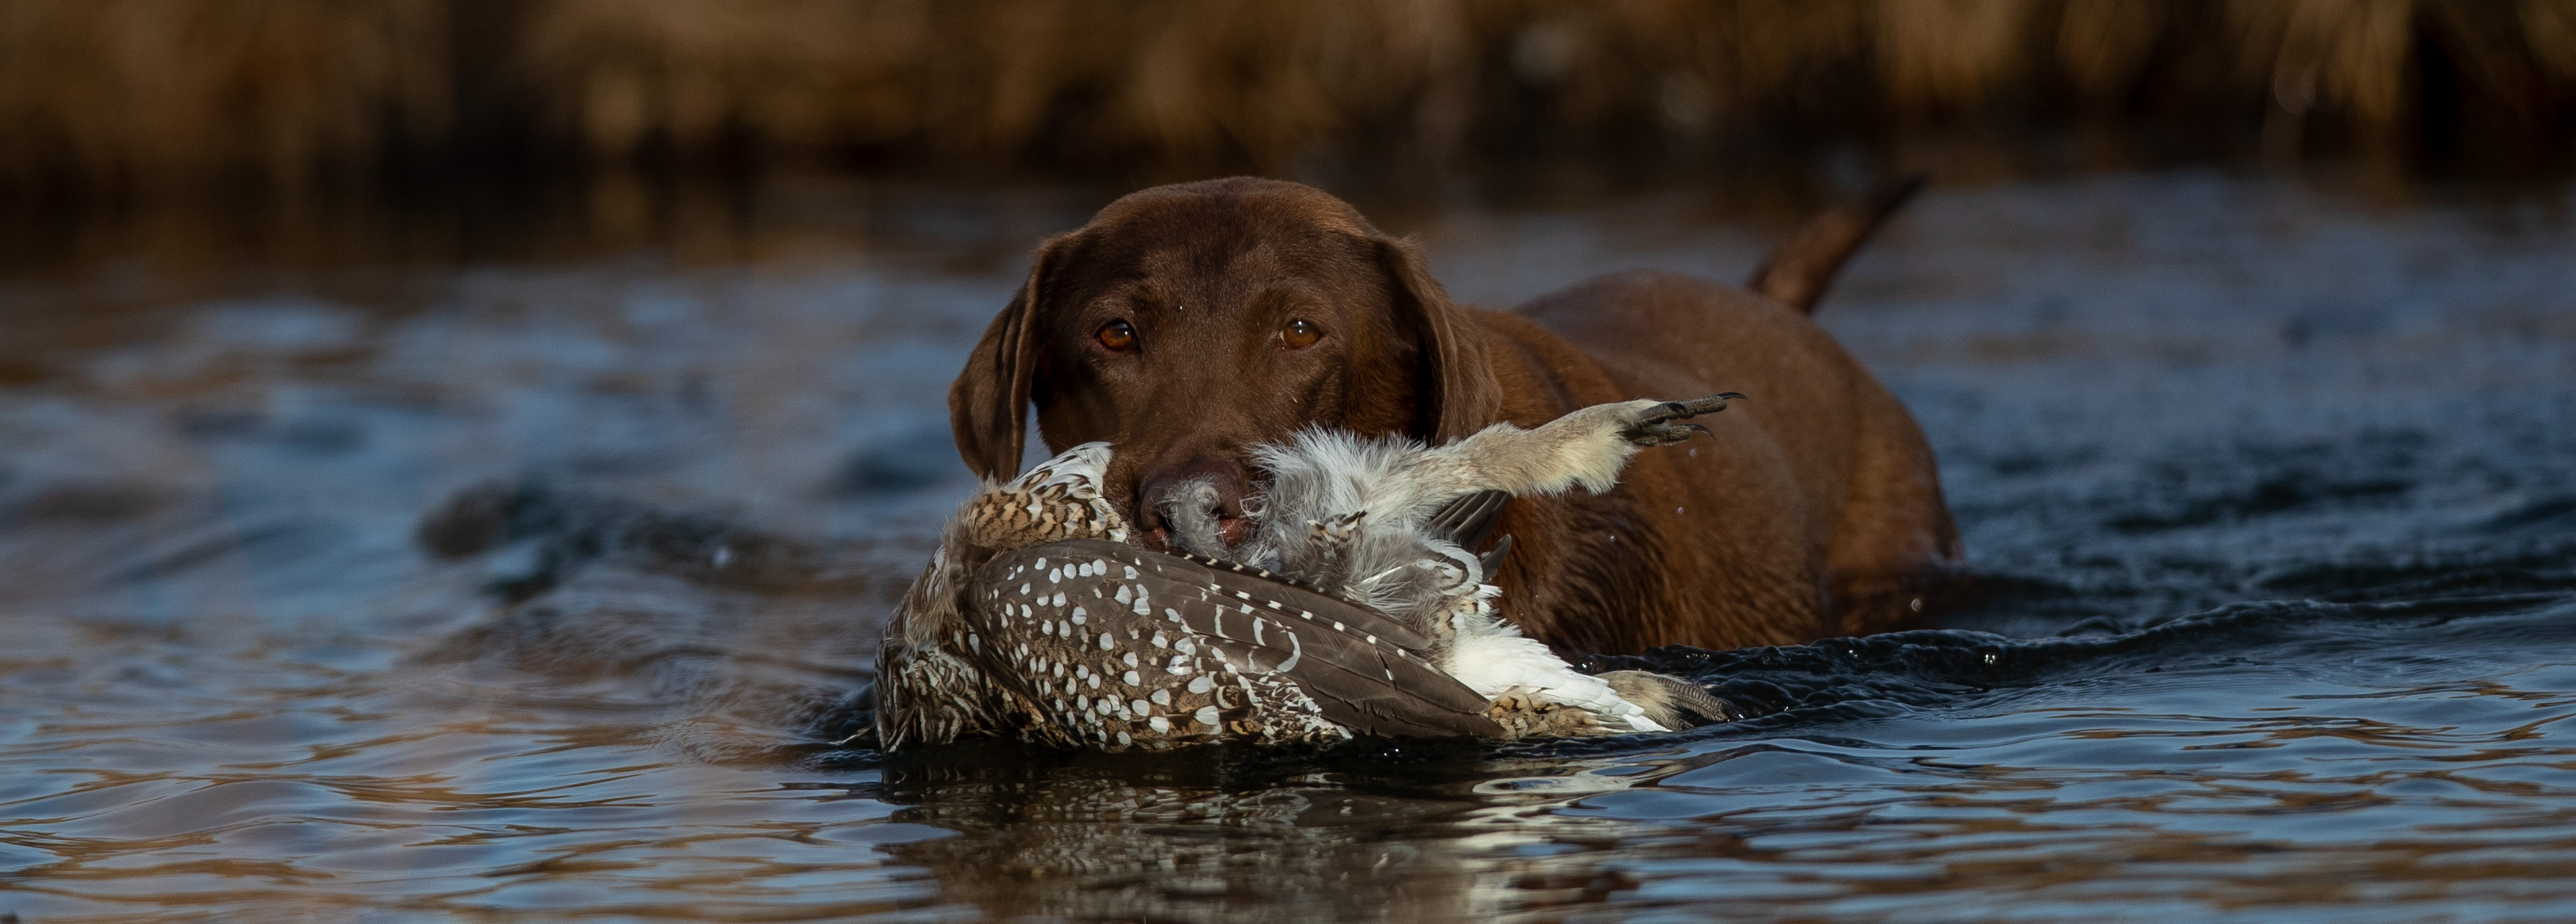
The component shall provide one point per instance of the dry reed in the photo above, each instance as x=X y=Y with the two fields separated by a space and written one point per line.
x=146 y=93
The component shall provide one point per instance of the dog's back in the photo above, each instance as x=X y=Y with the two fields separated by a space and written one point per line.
x=1815 y=512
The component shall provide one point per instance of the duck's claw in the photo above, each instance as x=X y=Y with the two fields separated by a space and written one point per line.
x=1655 y=425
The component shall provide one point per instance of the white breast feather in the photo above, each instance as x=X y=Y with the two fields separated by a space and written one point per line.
x=1323 y=473
x=1492 y=657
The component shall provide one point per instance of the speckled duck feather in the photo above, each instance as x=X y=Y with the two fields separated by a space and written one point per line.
x=1358 y=605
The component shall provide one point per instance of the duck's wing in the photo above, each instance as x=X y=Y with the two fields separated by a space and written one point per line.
x=1110 y=638
x=1467 y=521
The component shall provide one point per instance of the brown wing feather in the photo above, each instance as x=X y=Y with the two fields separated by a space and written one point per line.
x=1362 y=667
x=1469 y=520
x=1101 y=628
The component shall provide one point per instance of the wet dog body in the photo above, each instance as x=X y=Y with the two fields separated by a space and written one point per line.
x=1186 y=324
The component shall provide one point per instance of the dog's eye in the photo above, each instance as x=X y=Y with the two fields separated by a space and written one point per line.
x=1301 y=333
x=1116 y=335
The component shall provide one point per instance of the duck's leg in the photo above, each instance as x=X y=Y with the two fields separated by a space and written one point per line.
x=1585 y=448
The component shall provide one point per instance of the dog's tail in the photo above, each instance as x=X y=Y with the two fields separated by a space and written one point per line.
x=1800 y=269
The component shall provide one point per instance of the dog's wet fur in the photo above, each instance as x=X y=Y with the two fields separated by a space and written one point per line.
x=1816 y=511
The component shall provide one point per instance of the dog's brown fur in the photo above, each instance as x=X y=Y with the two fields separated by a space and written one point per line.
x=1814 y=511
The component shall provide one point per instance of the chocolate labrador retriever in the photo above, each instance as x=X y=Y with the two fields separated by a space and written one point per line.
x=1187 y=323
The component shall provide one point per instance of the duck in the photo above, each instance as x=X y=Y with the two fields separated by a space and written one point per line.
x=1357 y=605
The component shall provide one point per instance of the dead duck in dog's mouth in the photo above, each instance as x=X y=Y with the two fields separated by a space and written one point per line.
x=1357 y=606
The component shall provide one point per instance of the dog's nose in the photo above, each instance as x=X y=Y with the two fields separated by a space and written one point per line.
x=1193 y=507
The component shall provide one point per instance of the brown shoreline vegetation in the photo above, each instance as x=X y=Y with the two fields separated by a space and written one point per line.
x=133 y=96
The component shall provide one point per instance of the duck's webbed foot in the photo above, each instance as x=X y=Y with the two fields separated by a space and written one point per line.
x=1059 y=499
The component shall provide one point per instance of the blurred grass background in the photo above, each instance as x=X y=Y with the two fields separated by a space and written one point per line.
x=115 y=106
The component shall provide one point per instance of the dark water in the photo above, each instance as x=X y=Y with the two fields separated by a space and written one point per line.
x=2268 y=494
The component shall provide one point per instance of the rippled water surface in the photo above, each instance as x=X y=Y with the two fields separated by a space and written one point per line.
x=2267 y=493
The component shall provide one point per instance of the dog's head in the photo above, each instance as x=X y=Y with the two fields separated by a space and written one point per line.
x=1187 y=323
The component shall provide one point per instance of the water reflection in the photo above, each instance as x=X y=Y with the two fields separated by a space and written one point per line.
x=1427 y=832
x=2317 y=799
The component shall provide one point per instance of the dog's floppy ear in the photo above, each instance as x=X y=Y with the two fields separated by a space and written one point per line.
x=1455 y=391
x=988 y=404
